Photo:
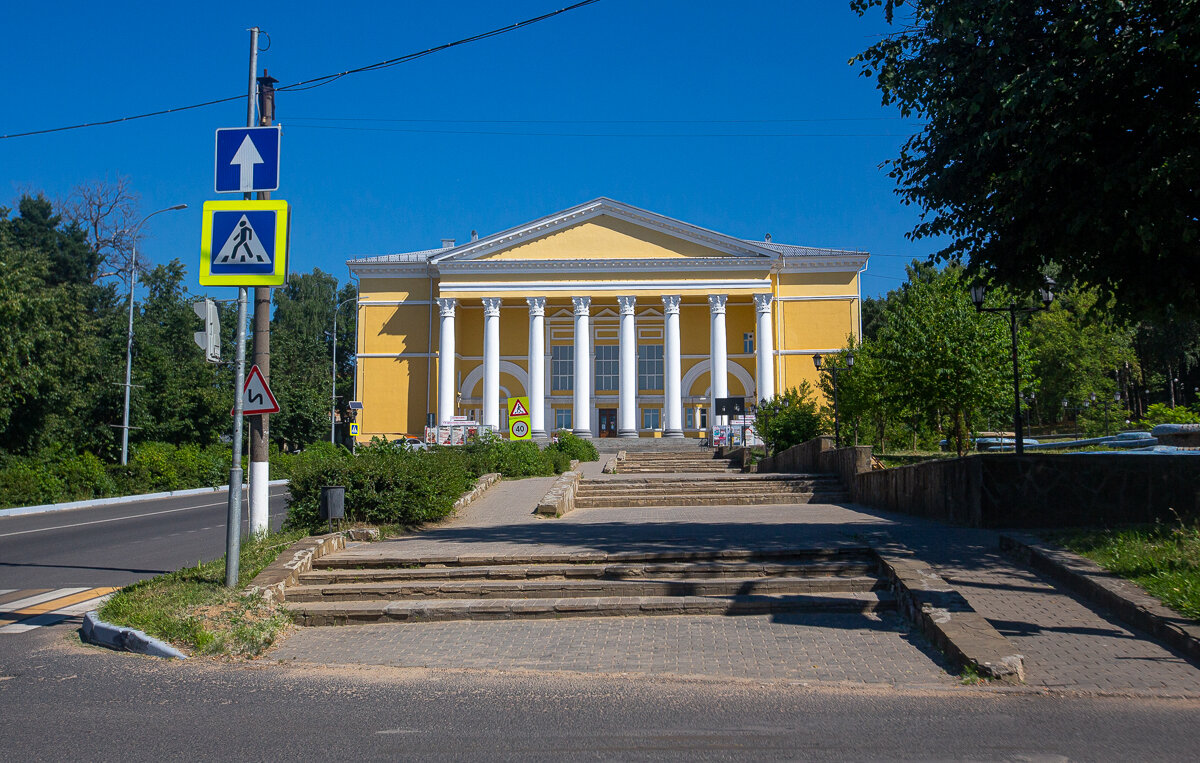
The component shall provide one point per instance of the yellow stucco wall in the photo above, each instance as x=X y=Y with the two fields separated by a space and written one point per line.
x=604 y=237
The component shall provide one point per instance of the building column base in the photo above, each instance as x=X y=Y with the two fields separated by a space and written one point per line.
x=627 y=433
x=584 y=433
x=672 y=433
x=538 y=434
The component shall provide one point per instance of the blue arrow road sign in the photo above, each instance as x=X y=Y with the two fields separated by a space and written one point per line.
x=247 y=159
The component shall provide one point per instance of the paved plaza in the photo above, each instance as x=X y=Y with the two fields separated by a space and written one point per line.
x=1068 y=645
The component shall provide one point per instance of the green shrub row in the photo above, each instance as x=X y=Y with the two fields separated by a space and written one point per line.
x=153 y=467
x=389 y=484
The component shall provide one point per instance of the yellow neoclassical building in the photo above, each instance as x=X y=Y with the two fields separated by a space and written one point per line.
x=612 y=320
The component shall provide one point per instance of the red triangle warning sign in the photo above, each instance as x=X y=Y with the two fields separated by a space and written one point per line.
x=256 y=395
x=518 y=409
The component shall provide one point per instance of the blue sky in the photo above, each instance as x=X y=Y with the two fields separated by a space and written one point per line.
x=740 y=117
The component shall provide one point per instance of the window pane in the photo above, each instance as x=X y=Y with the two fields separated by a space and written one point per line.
x=650 y=366
x=608 y=367
x=562 y=367
x=748 y=342
x=562 y=418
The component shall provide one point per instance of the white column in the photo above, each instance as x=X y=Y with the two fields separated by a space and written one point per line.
x=672 y=383
x=446 y=360
x=491 y=362
x=766 y=347
x=582 y=416
x=719 y=358
x=537 y=361
x=627 y=392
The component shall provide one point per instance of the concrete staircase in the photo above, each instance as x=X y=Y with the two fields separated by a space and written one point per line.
x=587 y=584
x=722 y=490
x=687 y=462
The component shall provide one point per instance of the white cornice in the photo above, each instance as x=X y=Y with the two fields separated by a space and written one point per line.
x=823 y=264
x=673 y=264
x=393 y=269
x=574 y=287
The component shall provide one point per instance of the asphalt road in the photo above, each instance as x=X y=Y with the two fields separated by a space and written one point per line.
x=61 y=700
x=117 y=544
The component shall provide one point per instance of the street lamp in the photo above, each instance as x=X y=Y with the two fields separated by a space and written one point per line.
x=978 y=292
x=129 y=335
x=833 y=372
x=333 y=384
x=1116 y=399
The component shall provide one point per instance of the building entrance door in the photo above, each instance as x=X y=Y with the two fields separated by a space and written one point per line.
x=608 y=422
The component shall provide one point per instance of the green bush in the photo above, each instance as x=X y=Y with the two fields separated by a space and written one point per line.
x=384 y=484
x=23 y=483
x=84 y=476
x=1161 y=413
x=789 y=419
x=575 y=447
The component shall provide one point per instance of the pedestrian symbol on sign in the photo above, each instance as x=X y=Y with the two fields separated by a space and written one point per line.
x=518 y=409
x=242 y=246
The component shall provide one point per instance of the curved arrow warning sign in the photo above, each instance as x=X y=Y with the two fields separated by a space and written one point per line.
x=256 y=395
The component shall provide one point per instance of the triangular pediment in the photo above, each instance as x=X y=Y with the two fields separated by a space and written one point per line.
x=603 y=229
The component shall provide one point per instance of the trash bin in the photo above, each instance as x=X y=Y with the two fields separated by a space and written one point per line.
x=333 y=502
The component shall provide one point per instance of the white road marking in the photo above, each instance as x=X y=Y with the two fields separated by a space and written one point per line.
x=116 y=519
x=57 y=593
x=51 y=618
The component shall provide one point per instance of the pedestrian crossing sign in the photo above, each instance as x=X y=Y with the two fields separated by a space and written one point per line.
x=244 y=243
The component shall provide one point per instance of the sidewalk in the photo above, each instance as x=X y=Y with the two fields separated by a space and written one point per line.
x=1067 y=645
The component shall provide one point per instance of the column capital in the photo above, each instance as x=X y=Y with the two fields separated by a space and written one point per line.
x=583 y=305
x=537 y=306
x=671 y=304
x=762 y=302
x=716 y=303
x=627 y=304
x=446 y=306
x=491 y=307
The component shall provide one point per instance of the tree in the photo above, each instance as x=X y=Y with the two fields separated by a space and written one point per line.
x=788 y=419
x=301 y=356
x=1077 y=347
x=938 y=357
x=106 y=212
x=1062 y=132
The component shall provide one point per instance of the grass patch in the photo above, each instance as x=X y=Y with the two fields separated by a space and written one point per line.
x=193 y=610
x=1164 y=560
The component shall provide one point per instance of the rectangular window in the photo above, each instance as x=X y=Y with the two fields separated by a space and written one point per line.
x=562 y=418
x=562 y=367
x=689 y=418
x=650 y=419
x=650 y=366
x=704 y=418
x=608 y=367
x=748 y=342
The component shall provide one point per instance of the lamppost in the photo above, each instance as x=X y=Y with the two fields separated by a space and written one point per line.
x=833 y=372
x=129 y=335
x=978 y=292
x=333 y=383
x=1116 y=399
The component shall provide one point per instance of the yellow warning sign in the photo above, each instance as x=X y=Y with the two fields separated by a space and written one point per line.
x=518 y=419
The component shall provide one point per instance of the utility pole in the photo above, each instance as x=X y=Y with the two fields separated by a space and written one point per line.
x=260 y=425
x=233 y=520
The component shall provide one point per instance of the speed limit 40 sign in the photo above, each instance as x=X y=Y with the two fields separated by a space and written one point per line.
x=518 y=419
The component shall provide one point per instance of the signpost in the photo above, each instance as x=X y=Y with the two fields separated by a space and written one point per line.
x=247 y=159
x=518 y=419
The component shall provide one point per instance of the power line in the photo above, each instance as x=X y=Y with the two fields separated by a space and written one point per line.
x=326 y=79
x=601 y=121
x=603 y=134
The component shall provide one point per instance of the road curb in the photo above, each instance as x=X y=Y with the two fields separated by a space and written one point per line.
x=94 y=502
x=1127 y=600
x=96 y=631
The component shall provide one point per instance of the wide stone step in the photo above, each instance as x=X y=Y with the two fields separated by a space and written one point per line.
x=387 y=555
x=848 y=566
x=704 y=487
x=558 y=589
x=673 y=470
x=360 y=612
x=741 y=499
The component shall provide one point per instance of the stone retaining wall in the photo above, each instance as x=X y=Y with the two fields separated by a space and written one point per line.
x=1003 y=490
x=560 y=499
